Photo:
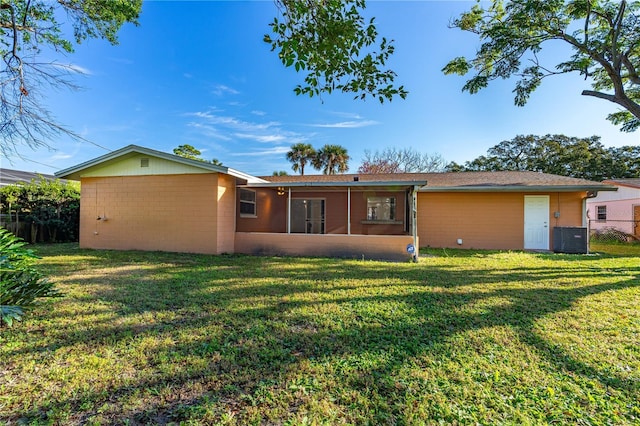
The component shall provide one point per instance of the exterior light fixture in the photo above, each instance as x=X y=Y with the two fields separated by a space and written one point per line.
x=280 y=190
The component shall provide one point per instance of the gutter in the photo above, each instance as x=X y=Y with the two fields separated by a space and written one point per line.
x=520 y=188
x=350 y=184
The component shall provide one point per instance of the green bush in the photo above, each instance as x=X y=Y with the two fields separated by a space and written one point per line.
x=609 y=235
x=20 y=283
x=42 y=210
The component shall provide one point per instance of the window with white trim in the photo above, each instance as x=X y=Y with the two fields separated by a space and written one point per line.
x=381 y=208
x=247 y=202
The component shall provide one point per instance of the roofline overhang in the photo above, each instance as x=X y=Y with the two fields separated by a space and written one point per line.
x=519 y=188
x=353 y=184
x=625 y=184
x=70 y=172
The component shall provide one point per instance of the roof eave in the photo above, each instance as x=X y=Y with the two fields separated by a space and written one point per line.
x=519 y=188
x=352 y=184
x=625 y=184
x=245 y=176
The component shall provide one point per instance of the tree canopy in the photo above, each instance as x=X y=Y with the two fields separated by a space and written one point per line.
x=400 y=160
x=26 y=28
x=192 y=153
x=558 y=154
x=330 y=42
x=300 y=155
x=336 y=47
x=332 y=159
x=42 y=210
x=604 y=37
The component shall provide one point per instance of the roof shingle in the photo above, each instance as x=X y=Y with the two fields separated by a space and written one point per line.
x=633 y=182
x=452 y=179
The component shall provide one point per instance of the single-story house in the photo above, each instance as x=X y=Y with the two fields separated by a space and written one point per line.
x=139 y=198
x=619 y=210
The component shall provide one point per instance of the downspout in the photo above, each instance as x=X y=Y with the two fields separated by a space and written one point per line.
x=289 y=211
x=414 y=221
x=348 y=210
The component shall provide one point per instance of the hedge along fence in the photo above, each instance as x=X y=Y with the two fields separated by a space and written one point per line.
x=42 y=210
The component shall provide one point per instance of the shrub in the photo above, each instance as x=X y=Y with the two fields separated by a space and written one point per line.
x=609 y=235
x=42 y=210
x=20 y=283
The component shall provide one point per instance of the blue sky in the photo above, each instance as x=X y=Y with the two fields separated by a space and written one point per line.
x=199 y=73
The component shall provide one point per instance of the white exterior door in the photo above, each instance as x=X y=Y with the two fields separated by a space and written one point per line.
x=536 y=222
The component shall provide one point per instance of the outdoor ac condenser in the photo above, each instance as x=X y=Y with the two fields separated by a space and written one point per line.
x=570 y=240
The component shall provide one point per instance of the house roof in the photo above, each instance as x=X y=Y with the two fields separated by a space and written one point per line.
x=11 y=177
x=633 y=183
x=335 y=181
x=76 y=171
x=503 y=181
x=506 y=181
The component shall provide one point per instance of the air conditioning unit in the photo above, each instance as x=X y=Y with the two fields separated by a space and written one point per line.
x=570 y=240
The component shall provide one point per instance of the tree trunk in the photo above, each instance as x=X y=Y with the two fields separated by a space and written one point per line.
x=623 y=101
x=34 y=233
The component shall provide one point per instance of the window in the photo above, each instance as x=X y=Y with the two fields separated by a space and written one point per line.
x=247 y=202
x=381 y=208
x=602 y=212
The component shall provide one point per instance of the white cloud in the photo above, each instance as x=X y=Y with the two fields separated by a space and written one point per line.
x=61 y=156
x=209 y=131
x=347 y=124
x=349 y=115
x=276 y=150
x=259 y=113
x=233 y=123
x=212 y=124
x=72 y=68
x=260 y=138
x=221 y=90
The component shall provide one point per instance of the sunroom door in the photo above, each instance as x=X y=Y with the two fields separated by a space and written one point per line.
x=307 y=216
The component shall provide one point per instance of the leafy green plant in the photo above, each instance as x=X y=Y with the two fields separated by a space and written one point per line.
x=42 y=210
x=20 y=283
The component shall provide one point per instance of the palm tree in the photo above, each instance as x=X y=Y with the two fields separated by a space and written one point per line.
x=332 y=159
x=300 y=155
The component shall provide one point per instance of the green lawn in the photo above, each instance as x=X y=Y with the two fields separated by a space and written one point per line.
x=461 y=337
x=617 y=248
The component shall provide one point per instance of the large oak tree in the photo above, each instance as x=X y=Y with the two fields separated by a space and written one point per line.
x=558 y=154
x=603 y=35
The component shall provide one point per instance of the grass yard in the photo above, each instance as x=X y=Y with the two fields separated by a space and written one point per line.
x=459 y=338
x=617 y=248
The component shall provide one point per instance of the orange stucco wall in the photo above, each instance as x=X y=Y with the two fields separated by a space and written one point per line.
x=387 y=247
x=487 y=220
x=226 y=201
x=184 y=213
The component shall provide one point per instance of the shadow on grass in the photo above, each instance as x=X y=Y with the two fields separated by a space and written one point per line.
x=255 y=321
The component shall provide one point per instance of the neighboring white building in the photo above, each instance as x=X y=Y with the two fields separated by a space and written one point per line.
x=619 y=209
